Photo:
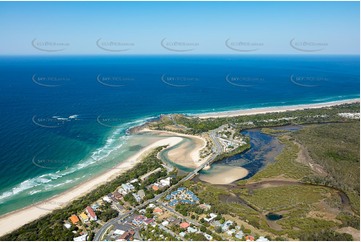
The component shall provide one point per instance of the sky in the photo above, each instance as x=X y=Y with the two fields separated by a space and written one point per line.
x=133 y=28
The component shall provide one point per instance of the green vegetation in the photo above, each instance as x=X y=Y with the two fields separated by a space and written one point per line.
x=156 y=234
x=284 y=197
x=318 y=115
x=336 y=147
x=51 y=226
x=106 y=212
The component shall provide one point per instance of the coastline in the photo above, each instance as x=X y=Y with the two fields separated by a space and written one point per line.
x=14 y=220
x=275 y=109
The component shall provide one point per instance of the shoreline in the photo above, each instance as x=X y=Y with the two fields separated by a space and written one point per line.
x=274 y=109
x=16 y=219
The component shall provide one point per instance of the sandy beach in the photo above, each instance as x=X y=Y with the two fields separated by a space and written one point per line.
x=224 y=174
x=185 y=154
x=253 y=111
x=16 y=219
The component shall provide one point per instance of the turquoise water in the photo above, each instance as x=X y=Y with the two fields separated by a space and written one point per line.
x=64 y=119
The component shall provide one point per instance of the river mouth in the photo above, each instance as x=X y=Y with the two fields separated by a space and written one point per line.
x=273 y=216
x=264 y=149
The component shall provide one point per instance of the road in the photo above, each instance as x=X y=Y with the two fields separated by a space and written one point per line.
x=217 y=149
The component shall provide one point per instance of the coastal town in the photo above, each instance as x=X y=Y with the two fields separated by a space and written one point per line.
x=165 y=219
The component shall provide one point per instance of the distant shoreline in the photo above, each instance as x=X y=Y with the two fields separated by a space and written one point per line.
x=275 y=109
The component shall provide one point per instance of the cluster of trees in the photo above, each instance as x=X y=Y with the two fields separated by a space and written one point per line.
x=147 y=233
x=317 y=115
x=325 y=235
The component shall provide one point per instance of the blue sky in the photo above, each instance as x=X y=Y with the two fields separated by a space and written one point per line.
x=45 y=28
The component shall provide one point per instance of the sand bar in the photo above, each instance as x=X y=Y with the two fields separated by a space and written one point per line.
x=224 y=174
x=186 y=154
x=11 y=221
x=253 y=111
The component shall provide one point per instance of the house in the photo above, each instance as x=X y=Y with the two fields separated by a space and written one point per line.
x=182 y=234
x=118 y=232
x=216 y=223
x=84 y=218
x=225 y=226
x=261 y=238
x=211 y=217
x=165 y=223
x=155 y=187
x=127 y=235
x=137 y=197
x=138 y=220
x=148 y=221
x=74 y=219
x=91 y=213
x=191 y=230
x=81 y=238
x=95 y=206
x=145 y=176
x=157 y=210
x=117 y=195
x=239 y=235
x=249 y=238
x=67 y=225
x=107 y=199
x=165 y=182
x=151 y=205
x=231 y=232
x=133 y=181
x=141 y=194
x=142 y=211
x=184 y=225
x=173 y=220
x=205 y=207
x=127 y=187
x=208 y=237
x=173 y=202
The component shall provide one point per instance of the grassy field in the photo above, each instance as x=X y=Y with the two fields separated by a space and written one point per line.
x=279 y=198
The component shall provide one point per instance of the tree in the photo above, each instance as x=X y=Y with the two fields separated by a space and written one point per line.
x=218 y=229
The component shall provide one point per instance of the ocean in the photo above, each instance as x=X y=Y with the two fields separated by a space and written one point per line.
x=64 y=118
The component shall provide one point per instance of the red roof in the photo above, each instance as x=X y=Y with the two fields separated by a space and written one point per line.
x=90 y=212
x=184 y=225
x=157 y=210
x=127 y=235
x=74 y=219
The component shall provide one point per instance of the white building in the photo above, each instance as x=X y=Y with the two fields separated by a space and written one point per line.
x=261 y=238
x=137 y=197
x=225 y=226
x=208 y=237
x=239 y=235
x=191 y=230
x=81 y=238
x=165 y=182
x=107 y=199
x=211 y=217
